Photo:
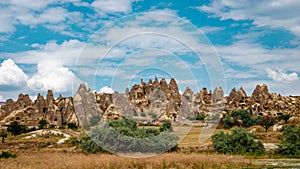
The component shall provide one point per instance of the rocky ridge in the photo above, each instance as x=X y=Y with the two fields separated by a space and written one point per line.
x=158 y=99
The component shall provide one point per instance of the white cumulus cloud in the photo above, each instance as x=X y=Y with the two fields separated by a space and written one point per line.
x=281 y=75
x=54 y=76
x=106 y=89
x=12 y=77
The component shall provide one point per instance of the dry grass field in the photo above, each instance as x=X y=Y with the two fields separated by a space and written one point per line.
x=52 y=160
x=43 y=153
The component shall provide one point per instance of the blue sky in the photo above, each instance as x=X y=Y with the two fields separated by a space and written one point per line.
x=57 y=44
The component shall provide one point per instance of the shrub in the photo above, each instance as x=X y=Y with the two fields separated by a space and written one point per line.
x=15 y=128
x=153 y=115
x=227 y=122
x=200 y=116
x=266 y=122
x=3 y=135
x=290 y=145
x=215 y=117
x=284 y=117
x=143 y=114
x=123 y=135
x=166 y=126
x=245 y=116
x=6 y=154
x=239 y=142
x=89 y=146
x=52 y=126
x=73 y=141
x=72 y=126
x=42 y=124
x=61 y=127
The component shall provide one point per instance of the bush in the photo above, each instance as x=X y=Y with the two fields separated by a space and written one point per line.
x=227 y=122
x=61 y=127
x=284 y=117
x=290 y=145
x=123 y=135
x=200 y=116
x=245 y=116
x=239 y=142
x=6 y=154
x=73 y=141
x=42 y=124
x=52 y=126
x=166 y=126
x=3 y=135
x=72 y=126
x=143 y=114
x=215 y=117
x=266 y=122
x=153 y=115
x=15 y=128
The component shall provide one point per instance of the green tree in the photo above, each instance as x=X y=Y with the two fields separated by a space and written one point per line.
x=227 y=122
x=266 y=122
x=6 y=154
x=284 y=117
x=166 y=126
x=42 y=124
x=72 y=126
x=3 y=135
x=123 y=135
x=143 y=114
x=200 y=116
x=15 y=128
x=243 y=115
x=290 y=145
x=238 y=142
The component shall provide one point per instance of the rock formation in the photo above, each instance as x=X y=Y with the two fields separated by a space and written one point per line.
x=154 y=97
x=26 y=112
x=85 y=105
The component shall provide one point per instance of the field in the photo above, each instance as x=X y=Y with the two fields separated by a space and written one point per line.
x=47 y=160
x=43 y=152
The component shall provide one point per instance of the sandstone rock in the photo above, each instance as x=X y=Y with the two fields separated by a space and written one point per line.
x=40 y=104
x=242 y=93
x=188 y=94
x=122 y=103
x=49 y=97
x=24 y=100
x=85 y=105
x=218 y=95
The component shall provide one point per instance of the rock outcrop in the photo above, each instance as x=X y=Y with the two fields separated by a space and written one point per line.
x=143 y=101
x=85 y=105
x=56 y=112
x=143 y=94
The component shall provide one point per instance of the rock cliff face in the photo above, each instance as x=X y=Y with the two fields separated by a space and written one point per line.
x=154 y=96
x=57 y=112
x=85 y=105
x=159 y=99
x=262 y=102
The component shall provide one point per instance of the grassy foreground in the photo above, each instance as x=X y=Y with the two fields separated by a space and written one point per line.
x=50 y=160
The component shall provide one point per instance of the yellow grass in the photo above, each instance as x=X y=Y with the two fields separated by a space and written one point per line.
x=190 y=136
x=48 y=160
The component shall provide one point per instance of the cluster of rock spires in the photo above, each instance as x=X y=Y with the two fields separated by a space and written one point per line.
x=158 y=97
x=58 y=111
